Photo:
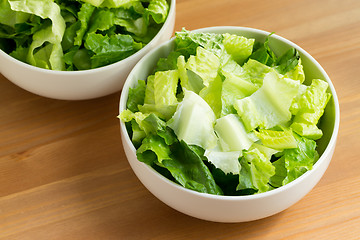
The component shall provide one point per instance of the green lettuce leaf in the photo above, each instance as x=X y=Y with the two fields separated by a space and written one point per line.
x=228 y=162
x=263 y=53
x=256 y=171
x=49 y=56
x=158 y=9
x=193 y=121
x=269 y=106
x=205 y=64
x=84 y=15
x=188 y=79
x=212 y=95
x=299 y=160
x=188 y=168
x=160 y=94
x=297 y=73
x=277 y=139
x=239 y=47
x=150 y=124
x=309 y=108
x=44 y=9
x=234 y=87
x=280 y=173
x=288 y=61
x=136 y=96
x=52 y=34
x=165 y=85
x=256 y=71
x=232 y=134
x=11 y=17
x=153 y=149
x=186 y=42
x=110 y=49
x=168 y=63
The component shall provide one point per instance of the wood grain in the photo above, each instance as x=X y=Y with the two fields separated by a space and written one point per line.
x=64 y=175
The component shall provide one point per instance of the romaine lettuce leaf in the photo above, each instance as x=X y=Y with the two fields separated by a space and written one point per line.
x=212 y=95
x=232 y=134
x=184 y=162
x=110 y=49
x=158 y=9
x=165 y=85
x=137 y=134
x=283 y=64
x=84 y=16
x=300 y=159
x=186 y=42
x=153 y=149
x=256 y=71
x=44 y=9
x=10 y=17
x=150 y=124
x=269 y=106
x=188 y=168
x=164 y=112
x=149 y=91
x=188 y=79
x=277 y=139
x=127 y=116
x=297 y=73
x=280 y=173
x=169 y=63
x=50 y=57
x=160 y=94
x=239 y=47
x=266 y=151
x=228 y=162
x=309 y=108
x=255 y=172
x=205 y=64
x=136 y=96
x=234 y=87
x=263 y=53
x=288 y=61
x=193 y=121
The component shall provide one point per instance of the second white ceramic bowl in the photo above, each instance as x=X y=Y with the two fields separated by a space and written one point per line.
x=235 y=208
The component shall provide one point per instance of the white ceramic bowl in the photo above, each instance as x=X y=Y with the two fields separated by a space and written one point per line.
x=79 y=85
x=234 y=208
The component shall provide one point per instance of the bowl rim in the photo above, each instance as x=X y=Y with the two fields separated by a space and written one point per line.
x=331 y=144
x=134 y=56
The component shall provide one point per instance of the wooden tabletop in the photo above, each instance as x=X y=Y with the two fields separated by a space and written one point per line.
x=64 y=174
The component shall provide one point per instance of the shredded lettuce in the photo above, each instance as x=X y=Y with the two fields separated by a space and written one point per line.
x=78 y=35
x=223 y=114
